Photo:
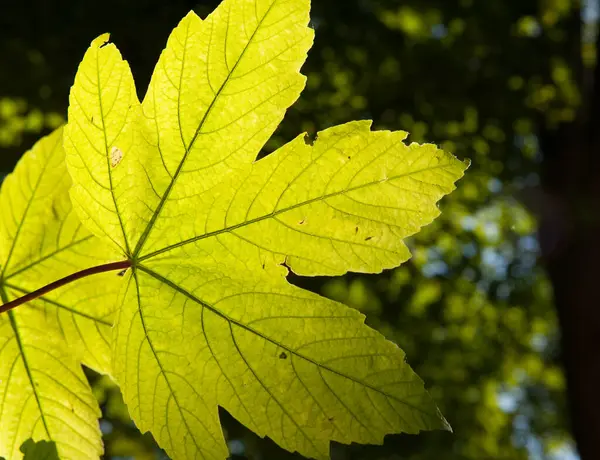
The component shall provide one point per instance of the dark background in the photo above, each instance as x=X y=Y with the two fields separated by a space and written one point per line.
x=499 y=309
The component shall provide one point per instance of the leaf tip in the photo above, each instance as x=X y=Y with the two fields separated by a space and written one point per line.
x=445 y=424
x=101 y=41
x=191 y=16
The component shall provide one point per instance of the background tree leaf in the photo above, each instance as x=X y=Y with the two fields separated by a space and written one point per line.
x=41 y=450
x=43 y=392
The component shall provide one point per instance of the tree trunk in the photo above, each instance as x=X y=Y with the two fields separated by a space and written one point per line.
x=570 y=242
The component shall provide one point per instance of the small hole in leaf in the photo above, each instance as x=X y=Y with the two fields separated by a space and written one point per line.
x=309 y=139
x=283 y=355
x=302 y=222
x=368 y=238
x=285 y=264
x=356 y=230
x=122 y=272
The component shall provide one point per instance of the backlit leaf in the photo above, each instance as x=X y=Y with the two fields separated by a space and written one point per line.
x=207 y=317
x=44 y=394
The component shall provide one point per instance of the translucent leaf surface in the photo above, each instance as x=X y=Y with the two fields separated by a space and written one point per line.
x=43 y=391
x=207 y=317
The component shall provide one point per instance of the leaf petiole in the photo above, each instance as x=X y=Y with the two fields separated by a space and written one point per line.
x=113 y=266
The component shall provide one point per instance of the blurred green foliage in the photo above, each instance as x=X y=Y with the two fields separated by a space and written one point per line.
x=16 y=119
x=472 y=309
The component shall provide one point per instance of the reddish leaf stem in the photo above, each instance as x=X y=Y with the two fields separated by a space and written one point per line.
x=123 y=265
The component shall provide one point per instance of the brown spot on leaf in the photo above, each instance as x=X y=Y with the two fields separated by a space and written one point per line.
x=54 y=212
x=116 y=155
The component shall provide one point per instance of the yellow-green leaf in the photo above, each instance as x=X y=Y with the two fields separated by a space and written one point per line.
x=44 y=394
x=342 y=204
x=285 y=362
x=207 y=317
x=103 y=110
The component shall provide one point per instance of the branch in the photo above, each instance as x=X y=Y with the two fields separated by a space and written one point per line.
x=123 y=265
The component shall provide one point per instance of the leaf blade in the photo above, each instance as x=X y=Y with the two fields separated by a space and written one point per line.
x=103 y=111
x=219 y=129
x=34 y=367
x=182 y=428
x=47 y=339
x=52 y=244
x=293 y=205
x=213 y=222
x=240 y=364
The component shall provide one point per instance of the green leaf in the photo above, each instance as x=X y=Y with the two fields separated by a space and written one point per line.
x=342 y=204
x=207 y=317
x=41 y=450
x=43 y=391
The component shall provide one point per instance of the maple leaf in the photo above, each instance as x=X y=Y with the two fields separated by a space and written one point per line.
x=44 y=394
x=207 y=317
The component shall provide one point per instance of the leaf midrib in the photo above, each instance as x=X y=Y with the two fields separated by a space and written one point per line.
x=287 y=209
x=15 y=328
x=108 y=167
x=46 y=257
x=160 y=366
x=159 y=208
